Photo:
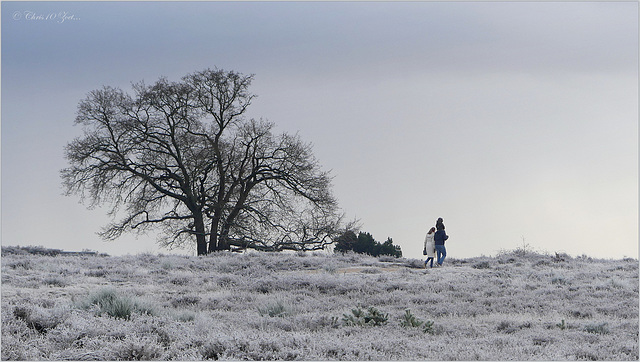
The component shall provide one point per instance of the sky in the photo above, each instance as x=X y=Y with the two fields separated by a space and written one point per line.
x=516 y=122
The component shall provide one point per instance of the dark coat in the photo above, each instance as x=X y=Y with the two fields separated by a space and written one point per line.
x=440 y=237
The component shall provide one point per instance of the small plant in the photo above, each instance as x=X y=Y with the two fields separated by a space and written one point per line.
x=482 y=265
x=562 y=325
x=114 y=305
x=184 y=316
x=55 y=281
x=558 y=280
x=334 y=322
x=329 y=268
x=187 y=300
x=410 y=321
x=24 y=264
x=427 y=327
x=356 y=318
x=597 y=328
x=212 y=350
x=524 y=249
x=373 y=317
x=25 y=315
x=144 y=350
x=505 y=327
x=277 y=309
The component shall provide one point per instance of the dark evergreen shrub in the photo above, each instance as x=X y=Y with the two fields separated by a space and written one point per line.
x=364 y=243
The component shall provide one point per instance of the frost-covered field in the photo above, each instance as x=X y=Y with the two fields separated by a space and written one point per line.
x=300 y=307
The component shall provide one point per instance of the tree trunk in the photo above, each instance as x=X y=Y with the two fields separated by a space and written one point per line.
x=202 y=244
x=213 y=239
x=201 y=239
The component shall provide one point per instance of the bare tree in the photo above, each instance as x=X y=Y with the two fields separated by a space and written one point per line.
x=182 y=158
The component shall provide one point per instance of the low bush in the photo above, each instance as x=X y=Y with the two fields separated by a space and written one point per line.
x=373 y=317
x=410 y=321
x=275 y=309
x=138 y=350
x=364 y=243
x=597 y=328
x=482 y=265
x=112 y=304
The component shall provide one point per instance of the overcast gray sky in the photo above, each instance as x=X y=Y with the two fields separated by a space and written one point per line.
x=510 y=120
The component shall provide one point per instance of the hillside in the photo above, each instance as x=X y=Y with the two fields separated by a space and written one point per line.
x=305 y=307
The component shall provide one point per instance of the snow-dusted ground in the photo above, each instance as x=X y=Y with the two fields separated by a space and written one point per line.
x=289 y=306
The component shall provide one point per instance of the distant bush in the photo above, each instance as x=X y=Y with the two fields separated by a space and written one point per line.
x=40 y=250
x=35 y=250
x=364 y=243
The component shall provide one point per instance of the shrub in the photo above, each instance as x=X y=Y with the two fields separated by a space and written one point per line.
x=409 y=320
x=40 y=320
x=25 y=315
x=482 y=265
x=414 y=263
x=34 y=250
x=505 y=327
x=212 y=350
x=55 y=281
x=114 y=305
x=23 y=264
x=98 y=273
x=277 y=309
x=364 y=243
x=143 y=350
x=373 y=317
x=597 y=328
x=558 y=280
x=180 y=281
x=185 y=316
x=186 y=300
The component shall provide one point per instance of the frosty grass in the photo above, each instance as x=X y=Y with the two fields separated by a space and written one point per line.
x=298 y=307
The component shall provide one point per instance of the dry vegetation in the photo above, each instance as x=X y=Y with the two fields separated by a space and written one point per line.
x=516 y=306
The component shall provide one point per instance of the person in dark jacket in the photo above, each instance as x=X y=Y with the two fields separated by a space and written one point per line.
x=439 y=238
x=439 y=224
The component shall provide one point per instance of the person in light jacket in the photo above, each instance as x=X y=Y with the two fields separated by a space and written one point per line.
x=439 y=238
x=429 y=247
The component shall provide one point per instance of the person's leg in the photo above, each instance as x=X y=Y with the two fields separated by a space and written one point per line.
x=427 y=261
x=438 y=254
x=442 y=253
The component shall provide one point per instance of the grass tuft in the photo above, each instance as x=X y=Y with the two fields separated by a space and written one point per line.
x=110 y=303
